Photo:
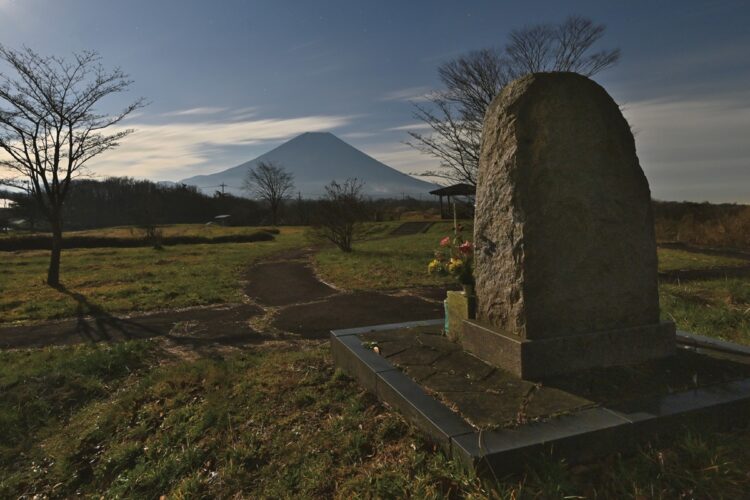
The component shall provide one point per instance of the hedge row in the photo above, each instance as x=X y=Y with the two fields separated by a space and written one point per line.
x=45 y=242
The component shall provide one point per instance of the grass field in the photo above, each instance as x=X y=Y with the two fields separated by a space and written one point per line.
x=402 y=262
x=140 y=419
x=385 y=263
x=670 y=260
x=130 y=279
x=719 y=308
x=123 y=420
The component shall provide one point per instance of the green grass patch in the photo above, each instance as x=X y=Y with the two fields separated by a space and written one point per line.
x=276 y=424
x=401 y=262
x=130 y=279
x=717 y=308
x=41 y=388
x=672 y=260
x=282 y=423
x=387 y=263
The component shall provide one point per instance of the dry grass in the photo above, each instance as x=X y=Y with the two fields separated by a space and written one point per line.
x=130 y=279
x=113 y=421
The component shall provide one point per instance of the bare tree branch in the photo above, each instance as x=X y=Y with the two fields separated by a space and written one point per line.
x=340 y=212
x=456 y=115
x=49 y=129
x=270 y=182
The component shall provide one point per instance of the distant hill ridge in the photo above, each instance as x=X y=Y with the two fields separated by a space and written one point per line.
x=315 y=159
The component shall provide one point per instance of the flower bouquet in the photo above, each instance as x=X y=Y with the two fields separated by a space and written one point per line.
x=455 y=257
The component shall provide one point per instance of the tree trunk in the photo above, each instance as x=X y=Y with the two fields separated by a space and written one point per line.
x=53 y=273
x=274 y=212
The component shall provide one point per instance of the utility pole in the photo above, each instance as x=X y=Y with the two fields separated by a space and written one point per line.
x=222 y=186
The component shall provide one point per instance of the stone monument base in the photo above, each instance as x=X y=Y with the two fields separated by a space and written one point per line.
x=537 y=359
x=494 y=423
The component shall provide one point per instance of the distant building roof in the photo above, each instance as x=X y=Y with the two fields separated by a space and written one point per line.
x=456 y=190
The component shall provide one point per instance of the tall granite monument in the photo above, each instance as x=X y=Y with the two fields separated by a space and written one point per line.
x=566 y=265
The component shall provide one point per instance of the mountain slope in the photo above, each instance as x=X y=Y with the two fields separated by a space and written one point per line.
x=315 y=159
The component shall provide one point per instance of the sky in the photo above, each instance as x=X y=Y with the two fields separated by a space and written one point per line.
x=230 y=80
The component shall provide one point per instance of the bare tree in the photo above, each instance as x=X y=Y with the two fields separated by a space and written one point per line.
x=455 y=115
x=49 y=128
x=270 y=182
x=339 y=213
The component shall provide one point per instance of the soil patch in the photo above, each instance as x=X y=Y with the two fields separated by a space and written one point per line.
x=285 y=282
x=227 y=325
x=316 y=320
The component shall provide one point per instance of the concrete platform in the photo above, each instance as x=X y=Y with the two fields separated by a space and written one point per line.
x=489 y=419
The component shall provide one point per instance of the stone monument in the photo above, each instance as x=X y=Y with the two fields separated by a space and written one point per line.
x=566 y=265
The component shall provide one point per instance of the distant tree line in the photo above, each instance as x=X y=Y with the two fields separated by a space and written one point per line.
x=120 y=201
x=725 y=225
x=123 y=201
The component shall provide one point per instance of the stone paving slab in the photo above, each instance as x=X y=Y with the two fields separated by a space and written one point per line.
x=489 y=397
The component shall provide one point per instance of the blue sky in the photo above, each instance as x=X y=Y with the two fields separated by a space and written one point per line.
x=229 y=80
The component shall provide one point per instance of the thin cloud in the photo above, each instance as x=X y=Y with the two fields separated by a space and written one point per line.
x=413 y=94
x=196 y=111
x=358 y=135
x=401 y=157
x=687 y=145
x=410 y=126
x=244 y=111
x=175 y=150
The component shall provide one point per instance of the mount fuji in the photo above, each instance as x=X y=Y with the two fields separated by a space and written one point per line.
x=315 y=159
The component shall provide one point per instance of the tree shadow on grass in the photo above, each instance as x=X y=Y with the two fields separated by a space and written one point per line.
x=95 y=324
x=203 y=327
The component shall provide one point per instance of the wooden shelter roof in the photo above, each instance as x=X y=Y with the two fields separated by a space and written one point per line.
x=456 y=190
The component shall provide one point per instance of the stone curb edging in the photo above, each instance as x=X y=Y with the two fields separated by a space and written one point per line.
x=578 y=437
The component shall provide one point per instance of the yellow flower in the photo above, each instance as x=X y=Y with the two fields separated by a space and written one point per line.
x=433 y=266
x=455 y=265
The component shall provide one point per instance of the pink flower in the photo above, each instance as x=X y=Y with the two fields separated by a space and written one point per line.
x=465 y=247
x=445 y=241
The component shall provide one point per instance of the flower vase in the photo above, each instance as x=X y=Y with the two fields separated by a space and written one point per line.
x=459 y=306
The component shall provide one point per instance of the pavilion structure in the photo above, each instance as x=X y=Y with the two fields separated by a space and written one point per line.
x=449 y=192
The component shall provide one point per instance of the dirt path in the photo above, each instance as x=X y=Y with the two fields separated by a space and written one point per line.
x=298 y=302
x=285 y=300
x=285 y=282
x=195 y=326
x=411 y=228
